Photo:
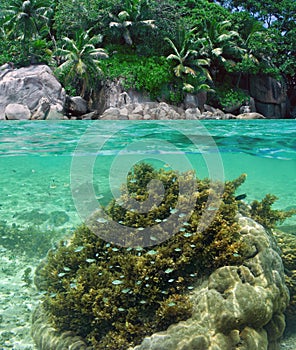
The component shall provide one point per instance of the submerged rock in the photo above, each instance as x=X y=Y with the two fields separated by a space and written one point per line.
x=222 y=286
x=239 y=307
x=287 y=243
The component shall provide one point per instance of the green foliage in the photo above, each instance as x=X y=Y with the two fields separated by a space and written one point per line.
x=25 y=20
x=191 y=70
x=81 y=60
x=149 y=74
x=225 y=43
x=130 y=18
x=263 y=213
x=225 y=96
x=115 y=296
x=30 y=240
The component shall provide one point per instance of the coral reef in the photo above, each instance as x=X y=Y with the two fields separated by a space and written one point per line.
x=115 y=296
x=29 y=240
x=287 y=243
x=237 y=307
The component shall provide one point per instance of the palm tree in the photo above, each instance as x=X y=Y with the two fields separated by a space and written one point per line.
x=25 y=19
x=188 y=65
x=219 y=44
x=130 y=17
x=81 y=59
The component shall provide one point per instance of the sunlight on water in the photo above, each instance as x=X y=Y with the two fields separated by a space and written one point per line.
x=35 y=160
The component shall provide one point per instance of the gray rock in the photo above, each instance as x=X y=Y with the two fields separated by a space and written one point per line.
x=55 y=113
x=195 y=100
x=42 y=109
x=267 y=89
x=90 y=116
x=123 y=99
x=77 y=106
x=190 y=101
x=192 y=113
x=245 y=109
x=272 y=110
x=111 y=113
x=147 y=117
x=250 y=116
x=27 y=85
x=17 y=111
x=135 y=116
x=138 y=109
x=123 y=112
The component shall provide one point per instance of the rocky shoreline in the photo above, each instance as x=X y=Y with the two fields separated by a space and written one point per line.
x=34 y=93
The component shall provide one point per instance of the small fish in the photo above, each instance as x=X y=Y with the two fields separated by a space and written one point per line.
x=169 y=270
x=152 y=252
x=117 y=282
x=240 y=197
x=187 y=234
x=126 y=290
x=79 y=249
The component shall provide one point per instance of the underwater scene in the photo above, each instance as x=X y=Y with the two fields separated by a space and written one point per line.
x=148 y=235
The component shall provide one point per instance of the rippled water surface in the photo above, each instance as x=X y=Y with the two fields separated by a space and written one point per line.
x=36 y=160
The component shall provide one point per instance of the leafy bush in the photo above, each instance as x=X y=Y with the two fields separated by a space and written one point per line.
x=226 y=96
x=149 y=74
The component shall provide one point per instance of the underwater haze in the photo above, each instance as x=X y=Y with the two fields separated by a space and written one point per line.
x=36 y=161
x=54 y=174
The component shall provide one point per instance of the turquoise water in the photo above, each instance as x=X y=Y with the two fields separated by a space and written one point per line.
x=49 y=170
x=37 y=172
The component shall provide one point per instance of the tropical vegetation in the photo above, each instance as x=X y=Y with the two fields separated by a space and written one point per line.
x=193 y=45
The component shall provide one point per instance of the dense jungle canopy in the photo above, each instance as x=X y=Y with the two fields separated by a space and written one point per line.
x=190 y=45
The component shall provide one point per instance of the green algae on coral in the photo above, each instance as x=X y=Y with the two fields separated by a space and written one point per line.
x=114 y=296
x=26 y=240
